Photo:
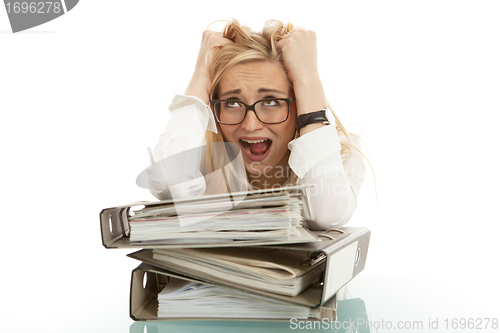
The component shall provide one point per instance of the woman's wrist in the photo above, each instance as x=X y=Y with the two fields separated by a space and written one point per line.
x=309 y=95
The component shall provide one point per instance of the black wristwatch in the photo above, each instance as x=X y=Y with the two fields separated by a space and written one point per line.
x=311 y=118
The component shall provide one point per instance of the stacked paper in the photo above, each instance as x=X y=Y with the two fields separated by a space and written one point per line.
x=232 y=256
x=213 y=219
x=189 y=299
x=275 y=270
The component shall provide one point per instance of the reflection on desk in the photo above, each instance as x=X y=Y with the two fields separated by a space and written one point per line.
x=351 y=314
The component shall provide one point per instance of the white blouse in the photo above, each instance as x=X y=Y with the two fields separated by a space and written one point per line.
x=315 y=158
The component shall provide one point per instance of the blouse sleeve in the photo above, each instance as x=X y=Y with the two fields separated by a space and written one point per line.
x=180 y=176
x=316 y=159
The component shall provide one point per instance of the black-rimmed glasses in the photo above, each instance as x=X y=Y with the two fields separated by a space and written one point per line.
x=268 y=111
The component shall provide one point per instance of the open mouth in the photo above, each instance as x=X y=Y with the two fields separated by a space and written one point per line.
x=258 y=147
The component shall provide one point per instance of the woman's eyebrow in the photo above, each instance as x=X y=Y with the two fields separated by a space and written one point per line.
x=231 y=92
x=263 y=90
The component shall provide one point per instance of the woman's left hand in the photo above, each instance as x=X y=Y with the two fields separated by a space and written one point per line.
x=300 y=58
x=299 y=55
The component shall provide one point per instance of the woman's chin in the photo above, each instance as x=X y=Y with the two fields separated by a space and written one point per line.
x=253 y=169
x=256 y=169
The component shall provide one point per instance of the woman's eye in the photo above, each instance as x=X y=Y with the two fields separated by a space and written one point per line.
x=271 y=102
x=233 y=104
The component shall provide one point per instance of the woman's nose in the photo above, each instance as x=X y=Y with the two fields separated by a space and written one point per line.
x=251 y=123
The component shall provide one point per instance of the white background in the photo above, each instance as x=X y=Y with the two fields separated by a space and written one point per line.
x=83 y=96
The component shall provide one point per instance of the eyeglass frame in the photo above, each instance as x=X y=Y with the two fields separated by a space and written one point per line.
x=252 y=108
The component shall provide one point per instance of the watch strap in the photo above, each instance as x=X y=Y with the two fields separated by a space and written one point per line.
x=311 y=118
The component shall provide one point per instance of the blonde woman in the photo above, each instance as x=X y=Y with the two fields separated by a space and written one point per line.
x=262 y=93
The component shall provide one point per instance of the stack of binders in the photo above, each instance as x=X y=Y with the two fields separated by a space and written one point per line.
x=243 y=256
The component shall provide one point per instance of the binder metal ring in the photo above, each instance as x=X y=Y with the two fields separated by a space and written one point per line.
x=340 y=231
x=327 y=236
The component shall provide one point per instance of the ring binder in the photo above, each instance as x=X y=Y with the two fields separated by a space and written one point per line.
x=334 y=256
x=144 y=301
x=345 y=258
x=116 y=230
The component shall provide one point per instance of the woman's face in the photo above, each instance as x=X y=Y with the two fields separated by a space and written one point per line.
x=264 y=146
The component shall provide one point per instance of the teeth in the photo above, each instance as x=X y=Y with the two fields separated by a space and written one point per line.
x=253 y=141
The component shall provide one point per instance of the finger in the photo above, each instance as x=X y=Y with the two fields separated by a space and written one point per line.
x=226 y=41
x=287 y=35
x=281 y=44
x=215 y=38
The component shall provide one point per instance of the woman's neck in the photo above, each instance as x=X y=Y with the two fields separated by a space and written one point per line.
x=271 y=178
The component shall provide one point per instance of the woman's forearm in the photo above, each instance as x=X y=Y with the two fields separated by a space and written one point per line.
x=199 y=86
x=310 y=97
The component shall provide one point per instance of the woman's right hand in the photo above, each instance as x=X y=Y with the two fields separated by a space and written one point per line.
x=200 y=83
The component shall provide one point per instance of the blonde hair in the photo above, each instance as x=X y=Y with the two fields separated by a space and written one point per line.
x=250 y=46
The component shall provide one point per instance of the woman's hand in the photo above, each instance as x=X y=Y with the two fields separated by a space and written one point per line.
x=299 y=55
x=201 y=80
x=300 y=58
